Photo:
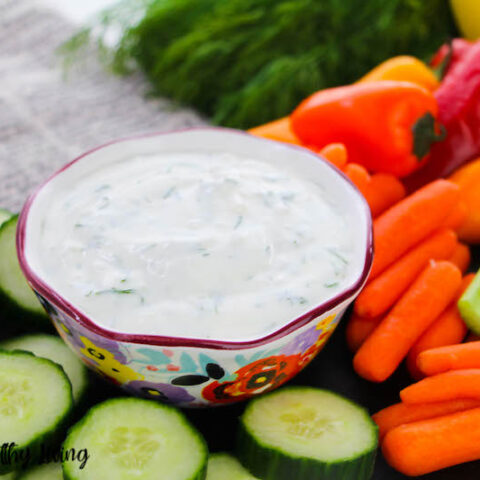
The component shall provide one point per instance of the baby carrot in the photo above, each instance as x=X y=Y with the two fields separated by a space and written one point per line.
x=450 y=385
x=429 y=445
x=449 y=357
x=384 y=191
x=457 y=216
x=447 y=329
x=381 y=190
x=359 y=175
x=461 y=257
x=410 y=221
x=335 y=153
x=389 y=343
x=358 y=330
x=380 y=294
x=279 y=130
x=402 y=413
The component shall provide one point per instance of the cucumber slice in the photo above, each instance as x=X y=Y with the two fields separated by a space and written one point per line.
x=48 y=471
x=4 y=215
x=222 y=466
x=306 y=433
x=9 y=476
x=35 y=404
x=134 y=438
x=53 y=348
x=469 y=305
x=16 y=296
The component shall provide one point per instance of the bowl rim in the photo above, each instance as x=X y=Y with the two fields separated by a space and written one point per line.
x=42 y=288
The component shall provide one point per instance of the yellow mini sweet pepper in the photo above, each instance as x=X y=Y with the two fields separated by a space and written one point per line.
x=403 y=68
x=467 y=16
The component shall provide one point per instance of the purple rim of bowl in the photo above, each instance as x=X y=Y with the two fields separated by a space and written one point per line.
x=53 y=297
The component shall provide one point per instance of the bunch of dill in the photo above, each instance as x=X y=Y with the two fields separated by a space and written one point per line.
x=245 y=62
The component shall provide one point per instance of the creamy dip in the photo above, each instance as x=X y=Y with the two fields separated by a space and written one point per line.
x=194 y=245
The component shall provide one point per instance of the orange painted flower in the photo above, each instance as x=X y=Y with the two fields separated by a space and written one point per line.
x=257 y=377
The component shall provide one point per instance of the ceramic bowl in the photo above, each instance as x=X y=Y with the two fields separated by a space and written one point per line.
x=204 y=372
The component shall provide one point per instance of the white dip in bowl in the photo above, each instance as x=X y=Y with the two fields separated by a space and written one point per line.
x=216 y=243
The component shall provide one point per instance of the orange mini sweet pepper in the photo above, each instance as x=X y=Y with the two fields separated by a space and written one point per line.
x=386 y=126
x=279 y=130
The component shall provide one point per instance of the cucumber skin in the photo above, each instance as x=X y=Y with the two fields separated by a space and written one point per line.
x=199 y=475
x=5 y=215
x=52 y=437
x=32 y=473
x=236 y=471
x=269 y=463
x=20 y=318
x=469 y=305
x=79 y=402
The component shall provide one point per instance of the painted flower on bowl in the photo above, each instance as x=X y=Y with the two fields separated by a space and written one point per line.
x=301 y=342
x=312 y=351
x=312 y=336
x=312 y=339
x=159 y=391
x=257 y=377
x=107 y=364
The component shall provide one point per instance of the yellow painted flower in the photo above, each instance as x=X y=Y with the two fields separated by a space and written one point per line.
x=325 y=322
x=65 y=328
x=107 y=364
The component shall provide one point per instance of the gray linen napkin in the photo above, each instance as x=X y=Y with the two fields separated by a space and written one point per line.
x=47 y=119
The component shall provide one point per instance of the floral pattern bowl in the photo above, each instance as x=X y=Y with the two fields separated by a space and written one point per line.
x=204 y=372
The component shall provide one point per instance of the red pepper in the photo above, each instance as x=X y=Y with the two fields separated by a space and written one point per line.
x=450 y=54
x=458 y=99
x=386 y=126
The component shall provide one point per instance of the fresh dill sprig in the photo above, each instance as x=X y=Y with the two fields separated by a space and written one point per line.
x=120 y=291
x=245 y=62
x=238 y=222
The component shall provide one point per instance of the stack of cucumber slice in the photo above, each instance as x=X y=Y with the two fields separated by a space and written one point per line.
x=307 y=433
x=4 y=216
x=9 y=476
x=134 y=438
x=47 y=471
x=35 y=405
x=17 y=301
x=53 y=348
x=298 y=432
x=469 y=305
x=224 y=465
x=295 y=432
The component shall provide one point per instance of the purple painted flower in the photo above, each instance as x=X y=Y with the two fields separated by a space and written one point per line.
x=110 y=346
x=302 y=342
x=159 y=391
